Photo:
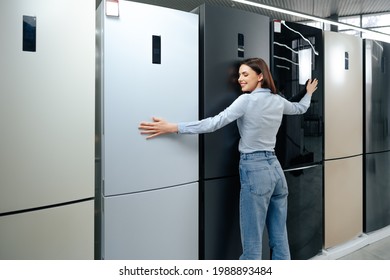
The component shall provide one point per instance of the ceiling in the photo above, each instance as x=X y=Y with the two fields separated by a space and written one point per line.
x=318 y=8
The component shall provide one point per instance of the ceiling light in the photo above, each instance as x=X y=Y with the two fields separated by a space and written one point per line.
x=374 y=34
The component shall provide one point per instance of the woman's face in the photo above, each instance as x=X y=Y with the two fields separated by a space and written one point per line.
x=248 y=79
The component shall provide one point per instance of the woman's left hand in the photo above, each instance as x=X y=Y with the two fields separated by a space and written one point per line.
x=311 y=86
x=157 y=127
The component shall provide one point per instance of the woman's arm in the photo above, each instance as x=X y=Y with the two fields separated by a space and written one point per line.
x=160 y=126
x=157 y=127
x=297 y=108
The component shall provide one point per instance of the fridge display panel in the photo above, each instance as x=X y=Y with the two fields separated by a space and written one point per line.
x=29 y=33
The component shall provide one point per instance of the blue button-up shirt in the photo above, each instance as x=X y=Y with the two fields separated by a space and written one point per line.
x=258 y=114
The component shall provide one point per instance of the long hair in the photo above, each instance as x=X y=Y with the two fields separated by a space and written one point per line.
x=260 y=67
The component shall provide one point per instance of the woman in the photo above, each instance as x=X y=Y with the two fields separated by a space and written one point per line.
x=259 y=112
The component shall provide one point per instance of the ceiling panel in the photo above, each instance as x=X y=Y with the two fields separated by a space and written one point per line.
x=319 y=8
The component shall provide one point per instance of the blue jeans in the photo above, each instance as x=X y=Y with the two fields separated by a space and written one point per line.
x=263 y=200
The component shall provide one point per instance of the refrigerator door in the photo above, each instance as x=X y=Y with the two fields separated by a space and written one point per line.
x=305 y=211
x=47 y=105
x=227 y=37
x=377 y=97
x=343 y=200
x=221 y=221
x=300 y=138
x=150 y=70
x=377 y=136
x=153 y=225
x=343 y=95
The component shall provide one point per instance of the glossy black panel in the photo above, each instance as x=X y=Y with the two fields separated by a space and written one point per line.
x=29 y=33
x=377 y=96
x=305 y=212
x=377 y=191
x=300 y=138
x=222 y=239
x=227 y=36
x=221 y=219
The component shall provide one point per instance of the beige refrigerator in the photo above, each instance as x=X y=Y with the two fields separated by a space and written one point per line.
x=343 y=184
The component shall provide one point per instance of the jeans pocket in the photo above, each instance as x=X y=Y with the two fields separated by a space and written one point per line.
x=260 y=181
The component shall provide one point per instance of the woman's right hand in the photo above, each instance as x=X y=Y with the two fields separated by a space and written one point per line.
x=157 y=127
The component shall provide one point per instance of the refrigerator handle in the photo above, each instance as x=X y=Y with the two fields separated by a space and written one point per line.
x=302 y=168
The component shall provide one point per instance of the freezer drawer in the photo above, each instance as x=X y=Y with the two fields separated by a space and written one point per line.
x=221 y=219
x=155 y=225
x=59 y=233
x=377 y=191
x=221 y=228
x=343 y=194
x=305 y=212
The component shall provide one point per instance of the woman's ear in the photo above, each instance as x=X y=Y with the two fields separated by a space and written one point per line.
x=260 y=77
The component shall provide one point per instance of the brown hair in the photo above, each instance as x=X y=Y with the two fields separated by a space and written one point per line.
x=260 y=67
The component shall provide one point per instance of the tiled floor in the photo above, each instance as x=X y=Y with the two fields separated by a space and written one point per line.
x=379 y=250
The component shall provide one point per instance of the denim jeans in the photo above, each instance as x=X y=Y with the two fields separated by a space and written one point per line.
x=263 y=201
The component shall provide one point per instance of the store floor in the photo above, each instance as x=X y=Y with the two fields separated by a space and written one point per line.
x=379 y=250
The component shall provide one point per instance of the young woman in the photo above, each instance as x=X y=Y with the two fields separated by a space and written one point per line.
x=258 y=112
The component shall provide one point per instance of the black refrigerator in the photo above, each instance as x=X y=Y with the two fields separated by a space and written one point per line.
x=376 y=176
x=227 y=36
x=297 y=54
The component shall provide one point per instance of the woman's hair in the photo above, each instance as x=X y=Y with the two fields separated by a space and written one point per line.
x=260 y=67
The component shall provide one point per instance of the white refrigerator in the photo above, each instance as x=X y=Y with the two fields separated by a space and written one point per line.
x=47 y=94
x=147 y=65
